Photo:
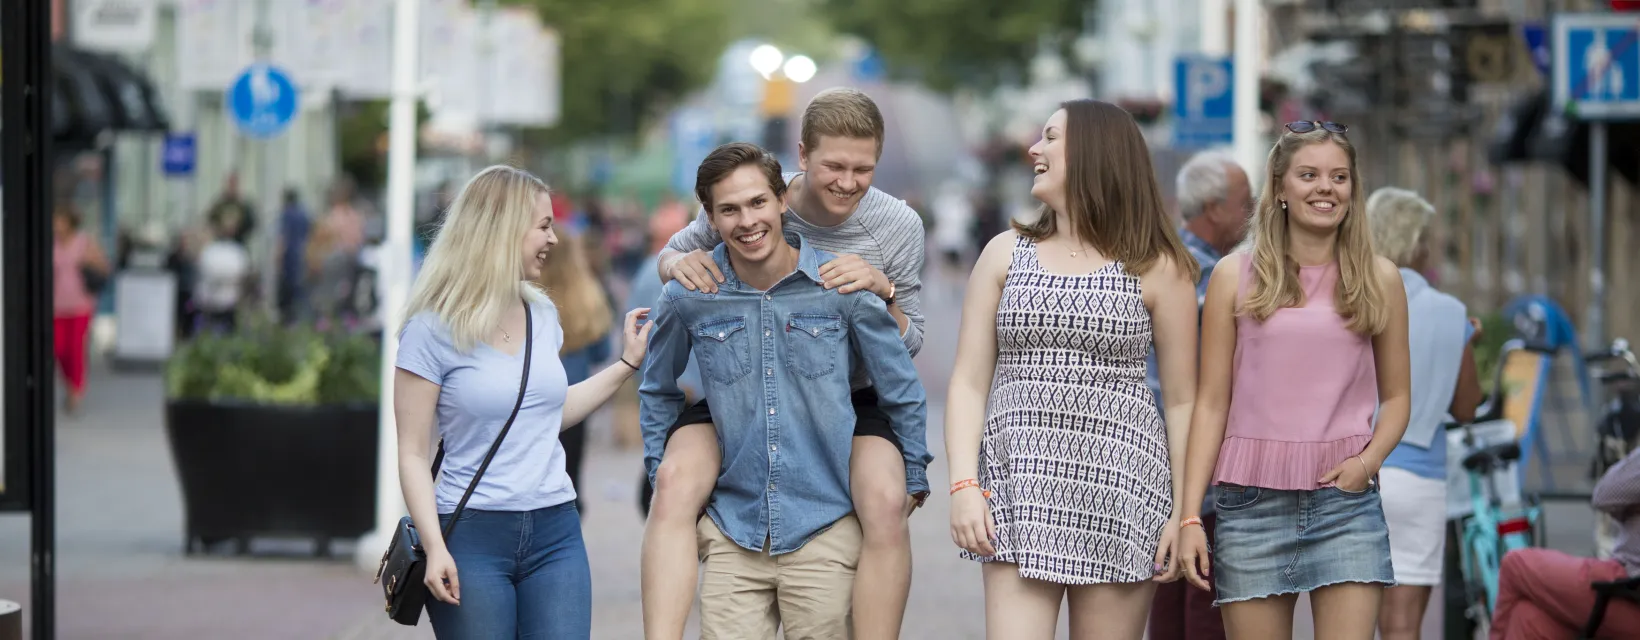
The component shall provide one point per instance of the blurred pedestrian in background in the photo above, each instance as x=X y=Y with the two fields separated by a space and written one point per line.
x=1445 y=387
x=585 y=313
x=78 y=267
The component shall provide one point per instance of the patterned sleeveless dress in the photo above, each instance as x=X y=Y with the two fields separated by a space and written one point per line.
x=1074 y=451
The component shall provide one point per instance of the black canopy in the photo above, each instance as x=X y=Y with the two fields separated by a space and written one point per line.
x=95 y=92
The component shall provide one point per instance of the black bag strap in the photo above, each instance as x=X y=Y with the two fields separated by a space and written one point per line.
x=523 y=384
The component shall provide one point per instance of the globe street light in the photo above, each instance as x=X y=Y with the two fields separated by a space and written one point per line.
x=800 y=69
x=766 y=60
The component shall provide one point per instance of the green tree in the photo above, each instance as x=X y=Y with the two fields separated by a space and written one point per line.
x=625 y=59
x=947 y=44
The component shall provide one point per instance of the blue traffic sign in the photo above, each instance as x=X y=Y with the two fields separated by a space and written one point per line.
x=1537 y=44
x=1596 y=61
x=176 y=157
x=262 y=101
x=1203 y=101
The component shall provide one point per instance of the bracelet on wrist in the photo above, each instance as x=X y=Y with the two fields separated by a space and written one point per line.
x=623 y=361
x=964 y=484
x=1190 y=521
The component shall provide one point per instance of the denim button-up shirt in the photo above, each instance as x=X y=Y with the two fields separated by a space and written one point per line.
x=776 y=366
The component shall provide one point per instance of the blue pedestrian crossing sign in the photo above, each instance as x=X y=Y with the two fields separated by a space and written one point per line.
x=1203 y=101
x=1597 y=65
x=262 y=101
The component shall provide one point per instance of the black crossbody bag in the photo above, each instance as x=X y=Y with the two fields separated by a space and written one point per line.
x=404 y=565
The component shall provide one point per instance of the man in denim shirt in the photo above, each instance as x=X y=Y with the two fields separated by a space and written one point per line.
x=776 y=349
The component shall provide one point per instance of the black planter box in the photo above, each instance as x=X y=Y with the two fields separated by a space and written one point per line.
x=250 y=470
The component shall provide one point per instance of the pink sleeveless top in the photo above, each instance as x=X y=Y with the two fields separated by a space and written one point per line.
x=69 y=297
x=1302 y=394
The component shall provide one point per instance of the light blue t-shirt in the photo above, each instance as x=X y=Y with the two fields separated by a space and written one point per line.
x=478 y=390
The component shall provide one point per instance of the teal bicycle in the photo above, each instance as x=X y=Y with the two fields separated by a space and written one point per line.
x=1499 y=523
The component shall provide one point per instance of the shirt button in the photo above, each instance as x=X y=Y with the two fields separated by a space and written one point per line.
x=773 y=447
x=771 y=486
x=720 y=335
x=771 y=411
x=769 y=371
x=765 y=333
x=768 y=297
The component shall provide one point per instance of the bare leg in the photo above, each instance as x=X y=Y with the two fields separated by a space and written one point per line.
x=1346 y=611
x=670 y=560
x=1111 y=611
x=1019 y=608
x=1262 y=619
x=1403 y=613
x=883 y=582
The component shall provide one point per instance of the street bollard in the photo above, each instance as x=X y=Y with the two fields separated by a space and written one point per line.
x=11 y=620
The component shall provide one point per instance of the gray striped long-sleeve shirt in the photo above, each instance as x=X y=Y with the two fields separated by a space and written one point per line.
x=884 y=231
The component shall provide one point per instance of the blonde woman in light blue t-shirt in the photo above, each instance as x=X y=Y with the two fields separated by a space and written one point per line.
x=517 y=565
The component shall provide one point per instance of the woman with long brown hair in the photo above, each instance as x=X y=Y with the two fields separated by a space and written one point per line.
x=1065 y=483
x=587 y=317
x=1304 y=340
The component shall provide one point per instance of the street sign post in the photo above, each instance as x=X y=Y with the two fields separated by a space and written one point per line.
x=1203 y=101
x=262 y=101
x=1596 y=78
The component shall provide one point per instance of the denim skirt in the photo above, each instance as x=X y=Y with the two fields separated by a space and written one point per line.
x=1272 y=542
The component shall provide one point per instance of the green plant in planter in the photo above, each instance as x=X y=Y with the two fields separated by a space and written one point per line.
x=1495 y=330
x=264 y=363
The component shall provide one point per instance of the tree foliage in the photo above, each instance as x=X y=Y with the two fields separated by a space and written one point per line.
x=623 y=59
x=947 y=44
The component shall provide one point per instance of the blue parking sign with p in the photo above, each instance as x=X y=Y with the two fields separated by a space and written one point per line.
x=1204 y=101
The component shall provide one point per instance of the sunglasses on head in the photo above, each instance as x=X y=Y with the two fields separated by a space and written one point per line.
x=1306 y=126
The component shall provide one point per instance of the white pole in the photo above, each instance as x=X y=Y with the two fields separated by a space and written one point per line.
x=394 y=272
x=1215 y=33
x=1250 y=148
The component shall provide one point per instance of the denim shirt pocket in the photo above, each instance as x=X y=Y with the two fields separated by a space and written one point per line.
x=812 y=343
x=720 y=345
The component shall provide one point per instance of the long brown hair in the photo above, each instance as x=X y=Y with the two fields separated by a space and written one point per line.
x=1359 y=297
x=1111 y=192
x=583 y=309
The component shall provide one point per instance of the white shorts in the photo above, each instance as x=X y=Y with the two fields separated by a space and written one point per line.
x=1415 y=510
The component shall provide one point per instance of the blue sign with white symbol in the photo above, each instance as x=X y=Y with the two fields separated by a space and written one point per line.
x=1596 y=62
x=1537 y=45
x=176 y=157
x=262 y=101
x=1204 y=102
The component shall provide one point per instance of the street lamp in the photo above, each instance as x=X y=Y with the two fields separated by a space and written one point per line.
x=800 y=69
x=766 y=60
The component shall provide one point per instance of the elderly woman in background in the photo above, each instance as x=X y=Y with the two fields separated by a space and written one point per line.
x=587 y=317
x=1444 y=386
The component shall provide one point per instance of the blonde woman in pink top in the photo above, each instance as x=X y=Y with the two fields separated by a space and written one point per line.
x=72 y=303
x=1303 y=339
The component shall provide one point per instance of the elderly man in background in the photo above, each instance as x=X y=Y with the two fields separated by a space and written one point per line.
x=1215 y=200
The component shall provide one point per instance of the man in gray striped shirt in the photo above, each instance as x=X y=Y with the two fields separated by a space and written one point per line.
x=880 y=244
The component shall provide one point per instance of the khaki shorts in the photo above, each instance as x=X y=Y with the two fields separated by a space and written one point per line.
x=747 y=595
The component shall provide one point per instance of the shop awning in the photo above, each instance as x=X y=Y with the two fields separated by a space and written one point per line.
x=96 y=92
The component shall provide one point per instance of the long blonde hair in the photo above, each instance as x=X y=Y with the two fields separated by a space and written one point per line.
x=1359 y=297
x=569 y=280
x=474 y=268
